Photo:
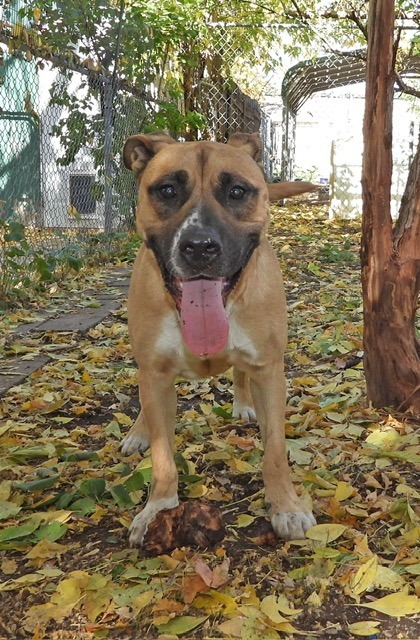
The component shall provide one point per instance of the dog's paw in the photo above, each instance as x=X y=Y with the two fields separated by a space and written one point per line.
x=142 y=520
x=292 y=526
x=240 y=410
x=132 y=443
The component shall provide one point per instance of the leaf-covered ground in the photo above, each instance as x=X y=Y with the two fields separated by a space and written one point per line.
x=67 y=496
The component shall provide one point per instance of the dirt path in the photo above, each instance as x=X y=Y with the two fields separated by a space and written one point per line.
x=14 y=370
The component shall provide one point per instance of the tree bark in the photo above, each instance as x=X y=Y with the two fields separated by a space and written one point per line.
x=390 y=257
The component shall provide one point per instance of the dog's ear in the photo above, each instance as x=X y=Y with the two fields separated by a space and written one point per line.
x=138 y=150
x=249 y=142
x=280 y=190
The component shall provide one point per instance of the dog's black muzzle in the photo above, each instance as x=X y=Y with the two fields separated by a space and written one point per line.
x=199 y=249
x=216 y=252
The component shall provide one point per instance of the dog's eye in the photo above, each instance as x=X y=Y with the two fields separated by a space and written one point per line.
x=167 y=191
x=237 y=193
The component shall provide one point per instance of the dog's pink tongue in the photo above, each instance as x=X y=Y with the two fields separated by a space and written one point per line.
x=204 y=322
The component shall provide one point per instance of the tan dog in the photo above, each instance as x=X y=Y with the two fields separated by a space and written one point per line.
x=206 y=294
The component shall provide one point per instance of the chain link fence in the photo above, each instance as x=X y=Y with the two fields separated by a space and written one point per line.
x=62 y=129
x=63 y=188
x=61 y=135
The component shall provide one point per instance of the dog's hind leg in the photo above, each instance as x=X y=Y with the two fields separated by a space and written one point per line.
x=158 y=400
x=289 y=517
x=243 y=406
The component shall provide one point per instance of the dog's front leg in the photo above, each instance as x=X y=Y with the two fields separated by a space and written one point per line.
x=158 y=399
x=289 y=518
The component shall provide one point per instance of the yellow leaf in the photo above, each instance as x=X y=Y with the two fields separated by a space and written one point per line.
x=408 y=491
x=39 y=616
x=206 y=408
x=27 y=579
x=72 y=212
x=414 y=569
x=343 y=491
x=385 y=578
x=232 y=628
x=123 y=419
x=68 y=593
x=143 y=599
x=365 y=575
x=8 y=566
x=169 y=562
x=396 y=604
x=302 y=359
x=244 y=520
x=325 y=533
x=285 y=627
x=249 y=596
x=37 y=14
x=215 y=602
x=253 y=629
x=309 y=381
x=361 y=547
x=285 y=607
x=242 y=466
x=364 y=628
x=269 y=607
x=196 y=490
x=314 y=599
x=96 y=602
x=86 y=377
x=410 y=538
x=6 y=485
x=384 y=439
x=44 y=550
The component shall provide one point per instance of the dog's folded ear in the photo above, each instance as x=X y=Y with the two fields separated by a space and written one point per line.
x=249 y=142
x=138 y=150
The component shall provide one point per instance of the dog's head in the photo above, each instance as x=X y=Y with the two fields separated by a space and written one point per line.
x=202 y=209
x=202 y=205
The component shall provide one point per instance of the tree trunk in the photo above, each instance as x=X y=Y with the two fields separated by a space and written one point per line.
x=390 y=258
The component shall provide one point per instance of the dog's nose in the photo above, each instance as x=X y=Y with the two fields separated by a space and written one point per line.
x=201 y=249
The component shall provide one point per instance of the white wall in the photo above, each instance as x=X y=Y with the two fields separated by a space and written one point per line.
x=330 y=127
x=55 y=179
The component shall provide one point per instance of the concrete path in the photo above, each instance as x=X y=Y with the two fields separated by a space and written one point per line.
x=15 y=370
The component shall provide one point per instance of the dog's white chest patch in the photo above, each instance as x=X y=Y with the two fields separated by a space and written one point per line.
x=170 y=341
x=171 y=344
x=240 y=342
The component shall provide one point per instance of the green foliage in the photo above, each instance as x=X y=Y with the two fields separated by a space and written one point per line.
x=28 y=266
x=169 y=117
x=172 y=47
x=23 y=266
x=331 y=253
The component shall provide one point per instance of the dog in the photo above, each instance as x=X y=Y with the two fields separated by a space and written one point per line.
x=206 y=295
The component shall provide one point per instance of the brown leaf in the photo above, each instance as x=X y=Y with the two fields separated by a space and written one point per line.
x=191 y=585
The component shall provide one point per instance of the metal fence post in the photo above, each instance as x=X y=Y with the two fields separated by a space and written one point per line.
x=108 y=87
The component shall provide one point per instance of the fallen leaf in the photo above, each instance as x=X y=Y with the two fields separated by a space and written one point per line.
x=365 y=576
x=395 y=605
x=325 y=533
x=182 y=625
x=367 y=628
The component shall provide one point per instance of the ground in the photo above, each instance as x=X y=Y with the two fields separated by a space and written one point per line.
x=67 y=496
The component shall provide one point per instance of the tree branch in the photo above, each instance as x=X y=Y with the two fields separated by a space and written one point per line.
x=353 y=17
x=406 y=235
x=405 y=88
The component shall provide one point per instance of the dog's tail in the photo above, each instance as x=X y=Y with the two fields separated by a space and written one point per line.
x=280 y=190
